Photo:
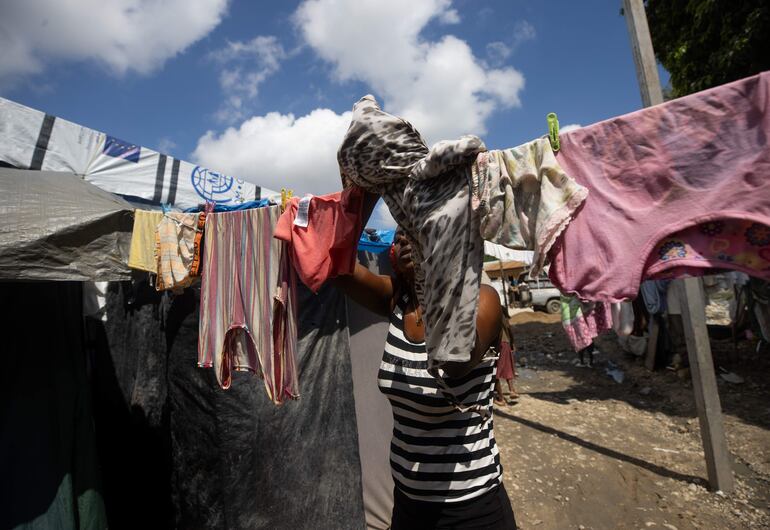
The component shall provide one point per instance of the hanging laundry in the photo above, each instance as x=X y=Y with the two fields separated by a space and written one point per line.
x=524 y=197
x=428 y=192
x=654 y=293
x=658 y=171
x=241 y=274
x=323 y=234
x=195 y=267
x=584 y=321
x=284 y=367
x=175 y=250
x=622 y=318
x=742 y=245
x=141 y=255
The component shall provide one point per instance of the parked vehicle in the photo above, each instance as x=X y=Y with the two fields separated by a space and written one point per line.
x=539 y=293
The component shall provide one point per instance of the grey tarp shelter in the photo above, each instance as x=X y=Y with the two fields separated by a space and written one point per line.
x=56 y=226
x=111 y=422
x=152 y=404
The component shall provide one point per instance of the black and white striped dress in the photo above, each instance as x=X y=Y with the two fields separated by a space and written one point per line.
x=437 y=453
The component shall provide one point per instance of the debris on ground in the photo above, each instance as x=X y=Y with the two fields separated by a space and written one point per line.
x=581 y=451
x=731 y=377
x=614 y=372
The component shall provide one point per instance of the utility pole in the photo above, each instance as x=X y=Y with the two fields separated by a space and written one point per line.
x=689 y=290
x=644 y=56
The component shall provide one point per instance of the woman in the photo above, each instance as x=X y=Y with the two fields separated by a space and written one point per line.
x=444 y=459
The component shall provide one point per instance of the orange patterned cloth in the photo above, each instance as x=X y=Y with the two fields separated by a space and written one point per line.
x=195 y=268
x=175 y=250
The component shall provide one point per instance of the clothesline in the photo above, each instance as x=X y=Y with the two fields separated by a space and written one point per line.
x=665 y=191
x=248 y=316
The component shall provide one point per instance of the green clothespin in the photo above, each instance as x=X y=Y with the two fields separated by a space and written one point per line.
x=553 y=130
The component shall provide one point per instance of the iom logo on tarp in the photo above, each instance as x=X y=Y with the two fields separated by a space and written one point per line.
x=216 y=187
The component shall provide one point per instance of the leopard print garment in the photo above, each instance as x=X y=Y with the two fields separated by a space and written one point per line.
x=428 y=194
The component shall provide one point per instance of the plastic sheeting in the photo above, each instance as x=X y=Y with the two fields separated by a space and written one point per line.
x=55 y=226
x=173 y=443
x=47 y=450
x=31 y=139
x=375 y=241
x=375 y=417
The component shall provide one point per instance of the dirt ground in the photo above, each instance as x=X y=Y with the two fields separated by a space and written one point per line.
x=583 y=451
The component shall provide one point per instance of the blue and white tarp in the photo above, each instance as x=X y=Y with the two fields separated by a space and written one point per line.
x=376 y=241
x=30 y=139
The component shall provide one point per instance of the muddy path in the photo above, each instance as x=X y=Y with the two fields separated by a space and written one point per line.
x=582 y=450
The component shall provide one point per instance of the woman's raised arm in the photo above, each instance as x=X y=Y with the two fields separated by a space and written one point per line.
x=372 y=291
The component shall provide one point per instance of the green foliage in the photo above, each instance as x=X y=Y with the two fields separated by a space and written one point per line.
x=705 y=43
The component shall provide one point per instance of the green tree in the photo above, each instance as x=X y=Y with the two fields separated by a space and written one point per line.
x=705 y=43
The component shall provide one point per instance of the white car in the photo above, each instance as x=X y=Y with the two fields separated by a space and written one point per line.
x=540 y=293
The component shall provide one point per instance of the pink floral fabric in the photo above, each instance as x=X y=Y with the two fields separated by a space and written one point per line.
x=723 y=244
x=659 y=171
x=582 y=322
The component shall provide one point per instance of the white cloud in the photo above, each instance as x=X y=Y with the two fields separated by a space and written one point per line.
x=498 y=52
x=166 y=145
x=440 y=85
x=450 y=16
x=506 y=84
x=523 y=31
x=570 y=127
x=280 y=150
x=121 y=35
x=266 y=49
x=245 y=66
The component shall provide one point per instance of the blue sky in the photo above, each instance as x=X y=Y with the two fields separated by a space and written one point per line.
x=260 y=89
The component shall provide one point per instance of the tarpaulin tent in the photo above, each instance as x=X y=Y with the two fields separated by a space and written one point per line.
x=165 y=447
x=196 y=456
x=50 y=476
x=58 y=227
x=172 y=448
x=30 y=139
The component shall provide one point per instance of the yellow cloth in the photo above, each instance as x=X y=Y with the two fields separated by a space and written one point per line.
x=142 y=253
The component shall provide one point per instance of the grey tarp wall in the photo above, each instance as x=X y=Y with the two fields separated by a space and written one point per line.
x=375 y=419
x=48 y=470
x=55 y=226
x=172 y=449
x=177 y=451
